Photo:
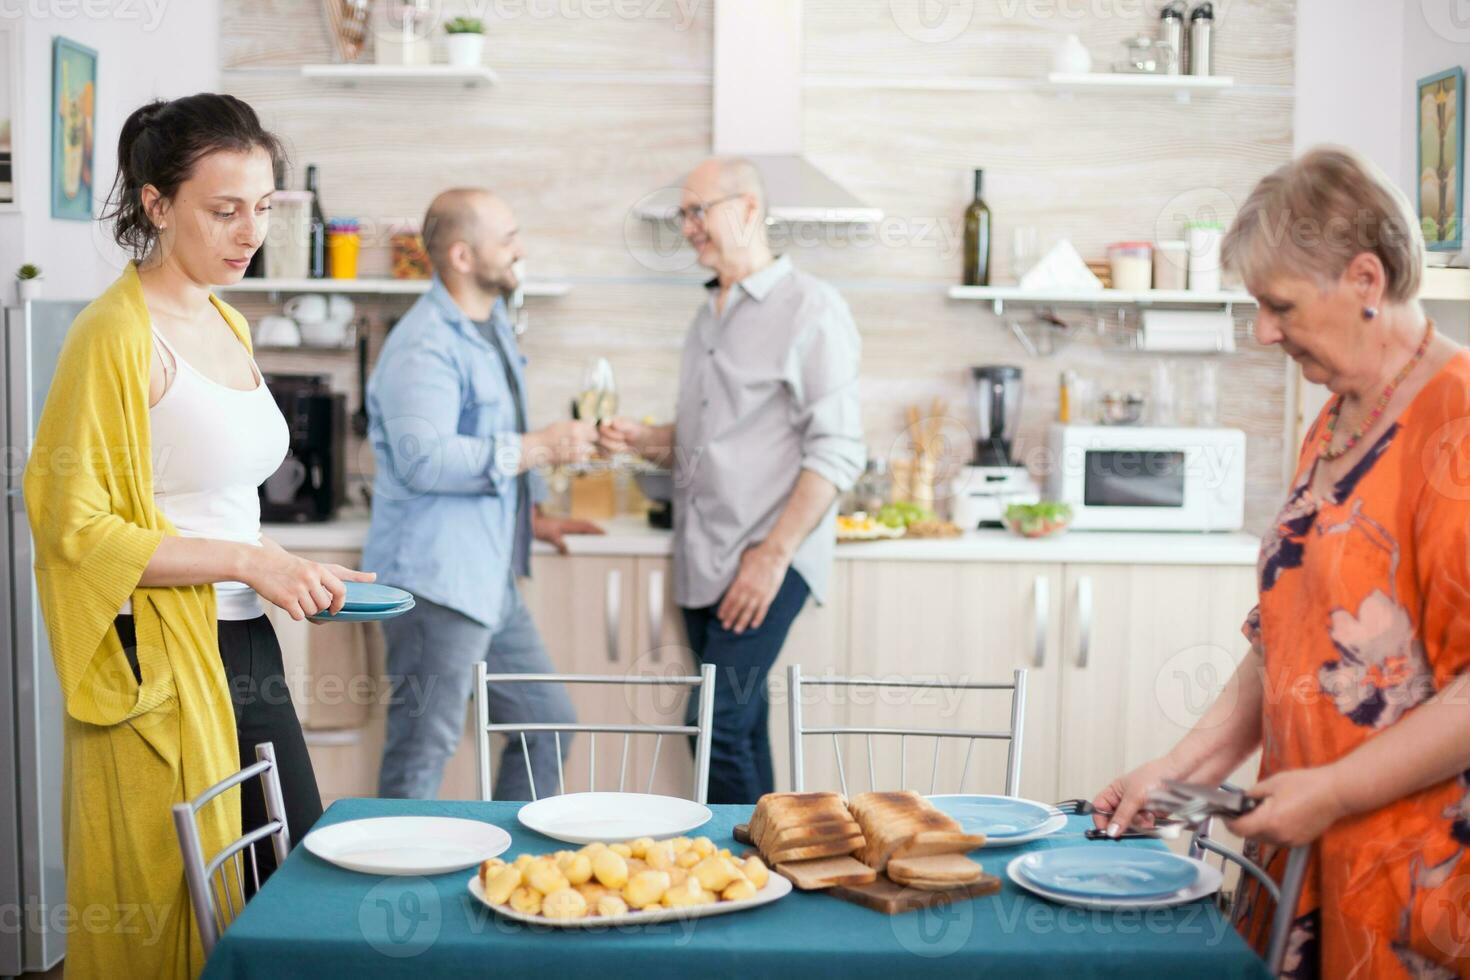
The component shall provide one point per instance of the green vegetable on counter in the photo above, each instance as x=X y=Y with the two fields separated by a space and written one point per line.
x=1035 y=520
x=903 y=513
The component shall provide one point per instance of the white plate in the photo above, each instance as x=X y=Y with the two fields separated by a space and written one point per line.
x=407 y=845
x=581 y=818
x=1057 y=821
x=776 y=888
x=1207 y=883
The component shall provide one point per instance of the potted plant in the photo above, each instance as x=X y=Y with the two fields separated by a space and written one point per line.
x=28 y=282
x=465 y=41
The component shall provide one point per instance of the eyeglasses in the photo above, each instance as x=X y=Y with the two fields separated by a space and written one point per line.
x=697 y=212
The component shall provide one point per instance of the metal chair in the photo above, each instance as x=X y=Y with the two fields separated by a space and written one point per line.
x=702 y=687
x=1017 y=687
x=208 y=881
x=1284 y=896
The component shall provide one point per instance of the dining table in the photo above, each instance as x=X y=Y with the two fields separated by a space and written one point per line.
x=313 y=920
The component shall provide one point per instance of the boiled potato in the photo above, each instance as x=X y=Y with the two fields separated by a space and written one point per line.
x=545 y=877
x=524 y=860
x=636 y=865
x=715 y=873
x=576 y=867
x=755 y=869
x=610 y=868
x=661 y=856
x=704 y=846
x=526 y=900
x=685 y=895
x=488 y=867
x=591 y=891
x=499 y=887
x=639 y=847
x=681 y=844
x=687 y=858
x=622 y=850
x=738 y=890
x=611 y=904
x=677 y=876
x=593 y=849
x=645 y=888
x=567 y=903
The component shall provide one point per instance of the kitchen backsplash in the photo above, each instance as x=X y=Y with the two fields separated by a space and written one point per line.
x=895 y=107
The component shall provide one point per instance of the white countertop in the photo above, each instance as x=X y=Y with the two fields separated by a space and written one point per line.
x=633 y=537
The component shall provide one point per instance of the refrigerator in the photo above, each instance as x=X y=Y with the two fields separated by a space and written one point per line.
x=31 y=875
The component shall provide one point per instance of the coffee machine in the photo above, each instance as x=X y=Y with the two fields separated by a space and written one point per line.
x=312 y=481
x=982 y=491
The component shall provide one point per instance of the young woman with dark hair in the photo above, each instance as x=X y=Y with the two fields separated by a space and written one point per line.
x=141 y=493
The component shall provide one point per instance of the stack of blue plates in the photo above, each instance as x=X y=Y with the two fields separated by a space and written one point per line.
x=1108 y=872
x=366 y=601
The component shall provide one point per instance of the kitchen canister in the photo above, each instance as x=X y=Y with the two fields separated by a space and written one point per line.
x=1132 y=266
x=1171 y=265
x=288 y=237
x=1202 y=40
x=344 y=242
x=1204 y=255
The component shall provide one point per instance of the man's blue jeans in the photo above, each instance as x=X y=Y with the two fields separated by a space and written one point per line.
x=740 y=748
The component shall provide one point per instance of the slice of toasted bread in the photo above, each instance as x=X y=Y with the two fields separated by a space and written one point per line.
x=891 y=819
x=827 y=873
x=934 y=872
x=815 y=833
x=777 y=812
x=807 y=852
x=928 y=842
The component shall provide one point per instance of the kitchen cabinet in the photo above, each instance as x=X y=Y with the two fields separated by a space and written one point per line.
x=949 y=622
x=1146 y=649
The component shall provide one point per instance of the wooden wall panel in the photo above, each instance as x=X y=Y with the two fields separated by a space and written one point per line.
x=596 y=113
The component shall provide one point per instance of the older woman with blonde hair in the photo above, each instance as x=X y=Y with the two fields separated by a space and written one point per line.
x=1355 y=687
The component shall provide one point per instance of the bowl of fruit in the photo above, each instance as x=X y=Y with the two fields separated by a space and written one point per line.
x=1038 y=520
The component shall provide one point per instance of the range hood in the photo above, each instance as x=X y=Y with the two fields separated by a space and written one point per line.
x=757 y=114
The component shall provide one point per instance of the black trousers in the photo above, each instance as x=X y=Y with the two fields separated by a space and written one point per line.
x=264 y=712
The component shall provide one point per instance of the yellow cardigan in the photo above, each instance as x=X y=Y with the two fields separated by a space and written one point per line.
x=132 y=750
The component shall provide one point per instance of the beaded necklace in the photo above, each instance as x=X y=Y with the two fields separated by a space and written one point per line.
x=1327 y=452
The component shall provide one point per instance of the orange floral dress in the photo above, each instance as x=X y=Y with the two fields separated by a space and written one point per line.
x=1364 y=614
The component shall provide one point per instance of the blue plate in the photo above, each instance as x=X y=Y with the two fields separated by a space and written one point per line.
x=363 y=615
x=997 y=817
x=366 y=595
x=1109 y=870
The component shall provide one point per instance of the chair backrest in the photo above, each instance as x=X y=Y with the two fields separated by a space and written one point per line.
x=217 y=888
x=1012 y=734
x=701 y=687
x=1284 y=896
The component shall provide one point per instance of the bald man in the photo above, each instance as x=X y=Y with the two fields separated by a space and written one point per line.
x=767 y=433
x=453 y=509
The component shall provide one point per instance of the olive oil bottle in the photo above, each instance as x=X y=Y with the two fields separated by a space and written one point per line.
x=977 y=237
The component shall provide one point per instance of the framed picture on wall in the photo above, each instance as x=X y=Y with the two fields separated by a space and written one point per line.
x=9 y=118
x=1439 y=107
x=73 y=128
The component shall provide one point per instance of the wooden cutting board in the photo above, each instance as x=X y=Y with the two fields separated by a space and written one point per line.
x=884 y=895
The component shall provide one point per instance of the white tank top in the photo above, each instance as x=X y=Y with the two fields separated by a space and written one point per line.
x=213 y=446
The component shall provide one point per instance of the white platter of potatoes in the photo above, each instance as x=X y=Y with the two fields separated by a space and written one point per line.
x=626 y=883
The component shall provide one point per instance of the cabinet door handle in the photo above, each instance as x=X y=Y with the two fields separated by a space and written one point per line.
x=1041 y=596
x=1084 y=620
x=656 y=613
x=613 y=610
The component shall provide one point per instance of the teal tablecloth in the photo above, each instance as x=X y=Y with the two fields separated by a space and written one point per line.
x=315 y=921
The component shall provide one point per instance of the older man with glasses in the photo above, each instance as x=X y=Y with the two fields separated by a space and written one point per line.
x=767 y=433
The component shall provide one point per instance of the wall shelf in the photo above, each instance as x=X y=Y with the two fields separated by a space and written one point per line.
x=366 y=74
x=546 y=289
x=999 y=296
x=1180 y=86
x=1445 y=285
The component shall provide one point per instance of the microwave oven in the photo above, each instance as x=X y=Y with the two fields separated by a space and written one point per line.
x=1143 y=478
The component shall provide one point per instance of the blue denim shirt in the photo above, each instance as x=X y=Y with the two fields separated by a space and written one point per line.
x=442 y=422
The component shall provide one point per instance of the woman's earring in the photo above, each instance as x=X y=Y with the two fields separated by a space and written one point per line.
x=1370 y=312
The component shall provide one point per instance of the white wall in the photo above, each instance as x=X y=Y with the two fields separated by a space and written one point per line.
x=146 y=49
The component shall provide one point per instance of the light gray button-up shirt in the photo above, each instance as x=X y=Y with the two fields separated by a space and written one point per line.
x=767 y=388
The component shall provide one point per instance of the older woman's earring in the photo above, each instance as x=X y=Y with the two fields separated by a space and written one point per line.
x=1370 y=312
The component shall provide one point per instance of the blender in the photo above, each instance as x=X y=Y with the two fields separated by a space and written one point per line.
x=982 y=491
